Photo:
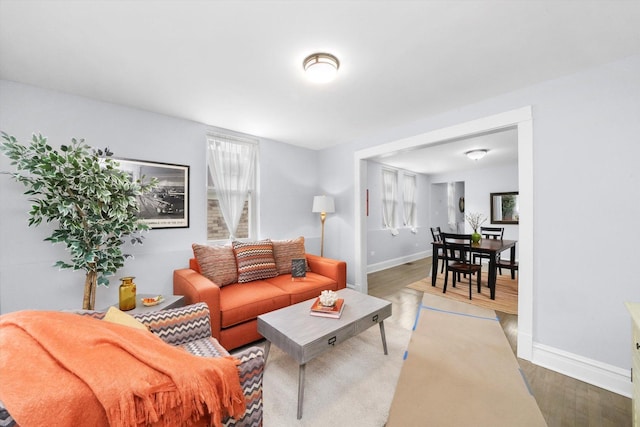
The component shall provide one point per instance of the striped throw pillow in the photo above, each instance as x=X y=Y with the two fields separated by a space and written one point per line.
x=255 y=260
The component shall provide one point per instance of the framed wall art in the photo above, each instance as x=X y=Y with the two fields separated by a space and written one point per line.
x=505 y=208
x=298 y=268
x=167 y=205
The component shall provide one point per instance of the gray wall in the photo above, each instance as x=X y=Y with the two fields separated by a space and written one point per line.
x=478 y=185
x=288 y=180
x=383 y=249
x=585 y=151
x=440 y=205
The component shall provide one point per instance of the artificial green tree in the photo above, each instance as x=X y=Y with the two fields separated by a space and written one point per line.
x=93 y=202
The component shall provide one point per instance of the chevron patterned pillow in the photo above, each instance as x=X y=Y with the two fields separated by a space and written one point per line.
x=255 y=260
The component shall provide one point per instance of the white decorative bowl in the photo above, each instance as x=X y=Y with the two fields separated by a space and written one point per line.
x=328 y=298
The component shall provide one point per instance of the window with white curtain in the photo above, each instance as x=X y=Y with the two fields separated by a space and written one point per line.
x=451 y=205
x=409 y=201
x=389 y=199
x=231 y=169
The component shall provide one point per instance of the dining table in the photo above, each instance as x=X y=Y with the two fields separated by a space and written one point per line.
x=490 y=247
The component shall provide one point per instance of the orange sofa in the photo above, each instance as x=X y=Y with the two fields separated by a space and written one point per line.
x=235 y=307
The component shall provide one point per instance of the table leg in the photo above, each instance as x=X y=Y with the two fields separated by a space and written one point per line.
x=434 y=264
x=513 y=259
x=492 y=275
x=267 y=347
x=301 y=388
x=384 y=338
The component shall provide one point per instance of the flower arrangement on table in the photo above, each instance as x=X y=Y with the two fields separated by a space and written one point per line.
x=475 y=220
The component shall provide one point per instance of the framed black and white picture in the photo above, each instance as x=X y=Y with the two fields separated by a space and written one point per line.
x=167 y=205
x=298 y=268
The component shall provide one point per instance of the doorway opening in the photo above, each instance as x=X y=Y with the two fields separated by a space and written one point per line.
x=521 y=119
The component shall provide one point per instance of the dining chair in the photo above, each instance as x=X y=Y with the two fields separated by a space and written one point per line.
x=508 y=264
x=489 y=233
x=436 y=233
x=457 y=252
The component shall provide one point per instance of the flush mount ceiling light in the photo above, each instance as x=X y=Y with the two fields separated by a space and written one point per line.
x=476 y=154
x=321 y=67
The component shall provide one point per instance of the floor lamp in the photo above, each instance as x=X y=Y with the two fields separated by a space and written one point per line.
x=323 y=205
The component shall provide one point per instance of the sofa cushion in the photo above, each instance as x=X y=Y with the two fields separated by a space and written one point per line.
x=255 y=260
x=240 y=334
x=217 y=263
x=284 y=251
x=303 y=289
x=245 y=301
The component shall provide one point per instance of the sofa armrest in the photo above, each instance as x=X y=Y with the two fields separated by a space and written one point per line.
x=332 y=268
x=197 y=288
x=250 y=370
x=5 y=417
x=179 y=325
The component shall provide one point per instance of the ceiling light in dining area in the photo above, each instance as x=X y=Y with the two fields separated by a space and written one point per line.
x=321 y=67
x=476 y=154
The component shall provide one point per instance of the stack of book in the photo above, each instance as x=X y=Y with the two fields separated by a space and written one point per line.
x=334 y=311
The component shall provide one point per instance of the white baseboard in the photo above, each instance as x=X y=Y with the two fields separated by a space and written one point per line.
x=608 y=377
x=354 y=287
x=372 y=268
x=525 y=346
x=600 y=374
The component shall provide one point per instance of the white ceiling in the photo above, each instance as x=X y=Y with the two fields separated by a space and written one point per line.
x=449 y=156
x=238 y=64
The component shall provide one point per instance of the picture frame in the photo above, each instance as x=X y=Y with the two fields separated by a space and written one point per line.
x=504 y=208
x=298 y=268
x=167 y=205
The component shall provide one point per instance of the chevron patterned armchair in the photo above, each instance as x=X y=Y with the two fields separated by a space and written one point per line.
x=189 y=327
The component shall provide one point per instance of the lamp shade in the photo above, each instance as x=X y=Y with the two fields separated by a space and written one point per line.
x=323 y=204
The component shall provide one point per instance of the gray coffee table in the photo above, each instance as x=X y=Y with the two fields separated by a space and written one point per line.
x=304 y=337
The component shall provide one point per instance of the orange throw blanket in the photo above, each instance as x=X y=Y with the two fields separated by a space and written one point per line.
x=66 y=370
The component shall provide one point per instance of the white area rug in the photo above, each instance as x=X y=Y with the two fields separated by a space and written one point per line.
x=350 y=385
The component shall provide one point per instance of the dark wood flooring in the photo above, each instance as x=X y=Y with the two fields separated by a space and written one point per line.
x=564 y=401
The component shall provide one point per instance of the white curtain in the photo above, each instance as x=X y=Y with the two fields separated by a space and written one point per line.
x=497 y=208
x=389 y=192
x=451 y=205
x=231 y=165
x=409 y=201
